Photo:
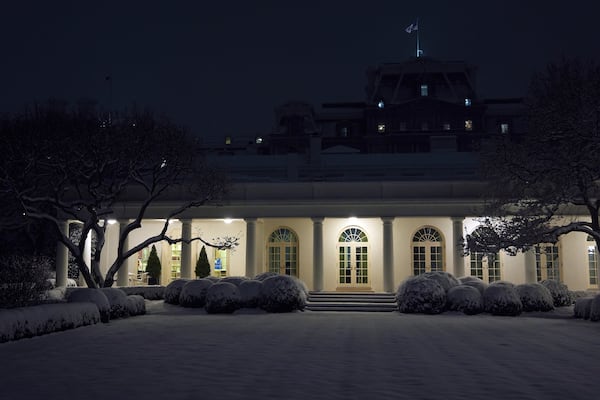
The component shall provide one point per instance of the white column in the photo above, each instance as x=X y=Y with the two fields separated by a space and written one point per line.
x=123 y=273
x=388 y=254
x=317 y=253
x=62 y=257
x=457 y=246
x=250 y=247
x=530 y=268
x=186 y=249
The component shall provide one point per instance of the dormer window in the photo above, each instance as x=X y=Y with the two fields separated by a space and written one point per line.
x=446 y=126
x=381 y=128
x=467 y=102
x=424 y=90
x=227 y=140
x=381 y=104
x=504 y=128
x=468 y=125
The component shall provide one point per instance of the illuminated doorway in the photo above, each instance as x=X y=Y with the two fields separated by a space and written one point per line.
x=353 y=259
x=283 y=252
x=428 y=251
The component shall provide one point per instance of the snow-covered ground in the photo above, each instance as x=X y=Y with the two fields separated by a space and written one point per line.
x=177 y=353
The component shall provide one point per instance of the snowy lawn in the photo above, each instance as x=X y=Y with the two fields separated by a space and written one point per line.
x=180 y=353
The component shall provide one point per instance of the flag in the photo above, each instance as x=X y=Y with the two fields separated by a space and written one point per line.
x=412 y=27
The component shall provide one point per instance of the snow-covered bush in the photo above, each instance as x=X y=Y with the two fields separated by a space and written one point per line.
x=560 y=292
x=281 y=293
x=445 y=279
x=473 y=281
x=420 y=294
x=70 y=282
x=213 y=279
x=22 y=322
x=264 y=275
x=173 y=290
x=193 y=293
x=302 y=286
x=23 y=280
x=222 y=297
x=147 y=292
x=236 y=280
x=583 y=307
x=136 y=305
x=89 y=295
x=250 y=293
x=501 y=298
x=56 y=294
x=465 y=298
x=535 y=297
x=595 y=308
x=118 y=302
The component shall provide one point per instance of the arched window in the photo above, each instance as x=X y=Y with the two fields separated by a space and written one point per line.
x=428 y=251
x=283 y=252
x=353 y=258
x=485 y=266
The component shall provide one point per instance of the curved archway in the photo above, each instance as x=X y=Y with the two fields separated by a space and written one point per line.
x=282 y=250
x=353 y=258
x=427 y=250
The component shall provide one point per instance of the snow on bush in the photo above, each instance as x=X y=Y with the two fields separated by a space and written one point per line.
x=560 y=292
x=501 y=298
x=23 y=280
x=89 y=295
x=583 y=307
x=473 y=281
x=420 y=294
x=118 y=302
x=250 y=293
x=281 y=293
x=147 y=292
x=535 y=297
x=236 y=280
x=445 y=279
x=70 y=282
x=465 y=298
x=173 y=290
x=136 y=305
x=56 y=294
x=23 y=322
x=264 y=275
x=193 y=293
x=213 y=279
x=595 y=308
x=222 y=297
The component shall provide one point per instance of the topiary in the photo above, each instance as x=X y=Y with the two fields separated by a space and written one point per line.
x=473 y=281
x=117 y=299
x=202 y=265
x=465 y=298
x=236 y=280
x=193 y=293
x=281 y=293
x=501 y=298
x=173 y=290
x=445 y=279
x=583 y=307
x=419 y=294
x=535 y=297
x=222 y=297
x=250 y=293
x=560 y=292
x=153 y=266
x=89 y=295
x=595 y=308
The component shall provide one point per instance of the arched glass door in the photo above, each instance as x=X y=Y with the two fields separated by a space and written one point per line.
x=428 y=251
x=353 y=258
x=283 y=252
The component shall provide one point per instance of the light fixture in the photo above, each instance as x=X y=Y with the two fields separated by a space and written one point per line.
x=227 y=220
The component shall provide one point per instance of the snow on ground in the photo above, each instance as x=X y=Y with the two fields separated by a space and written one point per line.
x=177 y=353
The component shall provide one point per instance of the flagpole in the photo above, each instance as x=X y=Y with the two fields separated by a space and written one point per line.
x=418 y=29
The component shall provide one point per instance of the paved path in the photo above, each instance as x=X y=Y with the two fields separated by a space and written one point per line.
x=174 y=353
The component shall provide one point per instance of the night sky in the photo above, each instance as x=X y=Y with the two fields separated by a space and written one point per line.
x=220 y=67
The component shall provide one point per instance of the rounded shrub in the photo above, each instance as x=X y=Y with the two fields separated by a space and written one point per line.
x=445 y=279
x=264 y=275
x=501 y=298
x=583 y=307
x=473 y=281
x=250 y=293
x=281 y=293
x=560 y=292
x=136 y=305
x=465 y=298
x=193 y=293
x=535 y=297
x=173 y=290
x=419 y=294
x=595 y=308
x=89 y=295
x=236 y=280
x=118 y=302
x=223 y=298
x=213 y=279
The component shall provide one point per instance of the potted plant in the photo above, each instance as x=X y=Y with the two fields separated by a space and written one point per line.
x=202 y=265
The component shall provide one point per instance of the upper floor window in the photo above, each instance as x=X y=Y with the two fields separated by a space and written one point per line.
x=468 y=125
x=381 y=128
x=467 y=102
x=381 y=104
x=227 y=139
x=504 y=128
x=424 y=90
x=446 y=126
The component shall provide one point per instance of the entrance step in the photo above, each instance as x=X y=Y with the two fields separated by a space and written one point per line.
x=351 y=301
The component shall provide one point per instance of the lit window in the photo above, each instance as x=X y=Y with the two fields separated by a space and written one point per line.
x=467 y=102
x=259 y=140
x=424 y=90
x=446 y=127
x=503 y=128
x=227 y=139
x=468 y=125
x=381 y=104
x=424 y=126
x=381 y=128
x=344 y=131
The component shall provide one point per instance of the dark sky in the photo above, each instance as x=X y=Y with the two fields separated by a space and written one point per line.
x=220 y=67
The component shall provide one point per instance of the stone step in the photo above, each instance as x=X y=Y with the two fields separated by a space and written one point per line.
x=351 y=301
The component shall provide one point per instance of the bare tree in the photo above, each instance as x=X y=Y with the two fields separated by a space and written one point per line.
x=73 y=164
x=541 y=182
